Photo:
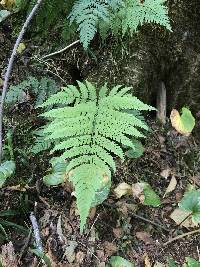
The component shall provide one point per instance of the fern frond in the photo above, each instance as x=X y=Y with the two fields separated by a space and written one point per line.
x=41 y=89
x=91 y=132
x=136 y=13
x=87 y=14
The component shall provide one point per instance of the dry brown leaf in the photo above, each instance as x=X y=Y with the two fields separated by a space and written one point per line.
x=165 y=173
x=172 y=185
x=110 y=248
x=137 y=191
x=178 y=216
x=8 y=257
x=117 y=232
x=123 y=189
x=80 y=257
x=145 y=237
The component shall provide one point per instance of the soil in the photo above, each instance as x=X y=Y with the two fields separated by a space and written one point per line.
x=123 y=226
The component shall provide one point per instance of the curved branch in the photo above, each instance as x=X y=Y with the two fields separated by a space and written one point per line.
x=9 y=69
x=61 y=51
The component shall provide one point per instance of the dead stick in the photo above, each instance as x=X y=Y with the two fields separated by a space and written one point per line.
x=181 y=236
x=9 y=69
x=62 y=50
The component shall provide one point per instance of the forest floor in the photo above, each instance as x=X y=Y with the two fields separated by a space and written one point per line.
x=122 y=226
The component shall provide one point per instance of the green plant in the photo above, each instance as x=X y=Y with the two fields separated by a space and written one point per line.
x=41 y=89
x=191 y=202
x=119 y=16
x=189 y=262
x=90 y=16
x=5 y=223
x=90 y=129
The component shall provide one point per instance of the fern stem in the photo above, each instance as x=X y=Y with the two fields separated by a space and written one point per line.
x=9 y=69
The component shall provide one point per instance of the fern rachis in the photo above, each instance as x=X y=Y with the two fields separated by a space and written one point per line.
x=89 y=132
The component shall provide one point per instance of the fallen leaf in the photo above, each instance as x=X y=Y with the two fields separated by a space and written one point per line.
x=110 y=248
x=165 y=173
x=21 y=48
x=80 y=257
x=183 y=123
x=146 y=194
x=123 y=189
x=147 y=262
x=70 y=251
x=145 y=237
x=8 y=4
x=117 y=232
x=8 y=256
x=179 y=216
x=172 y=185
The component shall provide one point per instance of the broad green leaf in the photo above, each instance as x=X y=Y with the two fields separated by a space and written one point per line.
x=190 y=262
x=171 y=263
x=7 y=168
x=183 y=123
x=42 y=255
x=117 y=261
x=151 y=198
x=137 y=151
x=146 y=194
x=4 y=14
x=191 y=202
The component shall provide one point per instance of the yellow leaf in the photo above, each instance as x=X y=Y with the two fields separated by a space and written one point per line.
x=183 y=123
x=123 y=189
x=8 y=4
x=21 y=48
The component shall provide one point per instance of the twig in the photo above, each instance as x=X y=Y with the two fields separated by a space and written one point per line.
x=139 y=217
x=61 y=51
x=36 y=232
x=9 y=69
x=149 y=221
x=181 y=236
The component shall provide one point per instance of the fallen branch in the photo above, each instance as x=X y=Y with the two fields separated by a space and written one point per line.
x=181 y=236
x=9 y=70
x=61 y=51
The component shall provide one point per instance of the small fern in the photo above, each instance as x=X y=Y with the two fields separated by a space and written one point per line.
x=41 y=89
x=90 y=129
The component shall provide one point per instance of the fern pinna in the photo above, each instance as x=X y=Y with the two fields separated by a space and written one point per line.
x=90 y=129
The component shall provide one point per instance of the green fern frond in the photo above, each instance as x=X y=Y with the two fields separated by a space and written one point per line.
x=41 y=89
x=87 y=14
x=91 y=132
x=136 y=13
